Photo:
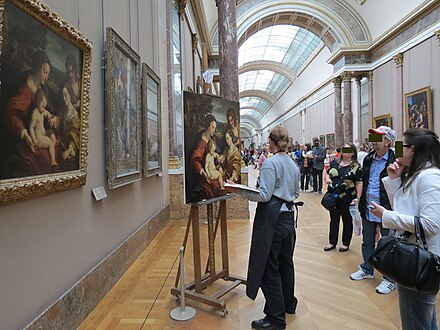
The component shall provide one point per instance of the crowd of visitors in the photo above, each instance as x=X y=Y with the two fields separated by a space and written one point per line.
x=386 y=191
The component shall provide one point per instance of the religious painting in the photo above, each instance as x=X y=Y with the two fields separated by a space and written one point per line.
x=211 y=145
x=151 y=112
x=44 y=96
x=322 y=140
x=382 y=120
x=123 y=112
x=418 y=107
x=330 y=138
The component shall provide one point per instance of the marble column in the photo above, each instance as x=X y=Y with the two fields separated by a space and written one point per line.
x=228 y=49
x=398 y=123
x=370 y=96
x=358 y=135
x=348 y=114
x=339 y=128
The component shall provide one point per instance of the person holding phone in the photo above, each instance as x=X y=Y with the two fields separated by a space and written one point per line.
x=412 y=185
x=375 y=168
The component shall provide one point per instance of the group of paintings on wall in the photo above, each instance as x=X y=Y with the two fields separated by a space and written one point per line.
x=418 y=111
x=132 y=116
x=212 y=145
x=44 y=101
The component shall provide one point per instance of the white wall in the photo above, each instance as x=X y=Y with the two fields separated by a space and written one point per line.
x=49 y=243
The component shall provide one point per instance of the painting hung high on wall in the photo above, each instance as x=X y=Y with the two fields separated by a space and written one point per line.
x=44 y=101
x=330 y=138
x=212 y=142
x=123 y=112
x=322 y=140
x=382 y=120
x=419 y=108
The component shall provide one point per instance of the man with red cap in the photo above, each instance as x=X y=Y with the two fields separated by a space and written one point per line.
x=375 y=168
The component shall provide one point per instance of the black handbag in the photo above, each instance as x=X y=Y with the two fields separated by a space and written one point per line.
x=408 y=264
x=329 y=201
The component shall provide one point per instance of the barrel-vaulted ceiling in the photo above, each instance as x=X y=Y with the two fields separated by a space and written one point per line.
x=277 y=39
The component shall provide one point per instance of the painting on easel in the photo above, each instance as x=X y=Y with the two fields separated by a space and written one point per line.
x=212 y=142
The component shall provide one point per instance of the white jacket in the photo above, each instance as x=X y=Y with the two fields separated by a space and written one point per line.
x=421 y=198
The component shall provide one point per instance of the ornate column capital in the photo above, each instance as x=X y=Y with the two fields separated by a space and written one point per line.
x=182 y=5
x=370 y=76
x=195 y=41
x=346 y=75
x=337 y=81
x=357 y=79
x=398 y=59
x=437 y=33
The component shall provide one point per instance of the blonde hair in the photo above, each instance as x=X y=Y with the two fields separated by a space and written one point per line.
x=280 y=136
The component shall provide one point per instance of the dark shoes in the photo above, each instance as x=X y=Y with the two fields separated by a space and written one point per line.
x=265 y=325
x=343 y=249
x=329 y=247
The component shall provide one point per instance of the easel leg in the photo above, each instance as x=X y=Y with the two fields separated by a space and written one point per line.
x=196 y=249
x=211 y=240
x=224 y=231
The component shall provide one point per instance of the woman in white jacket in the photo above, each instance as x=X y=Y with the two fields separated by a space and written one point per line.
x=413 y=186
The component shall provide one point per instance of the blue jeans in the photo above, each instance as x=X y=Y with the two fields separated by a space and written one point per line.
x=417 y=310
x=369 y=242
x=278 y=283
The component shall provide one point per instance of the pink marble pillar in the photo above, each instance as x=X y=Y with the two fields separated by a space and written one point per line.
x=398 y=123
x=370 y=96
x=348 y=114
x=228 y=49
x=339 y=128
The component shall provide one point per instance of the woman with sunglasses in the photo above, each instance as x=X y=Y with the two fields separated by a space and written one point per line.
x=412 y=185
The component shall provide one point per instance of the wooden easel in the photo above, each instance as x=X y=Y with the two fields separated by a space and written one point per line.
x=194 y=290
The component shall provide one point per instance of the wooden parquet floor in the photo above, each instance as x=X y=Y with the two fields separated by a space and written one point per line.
x=328 y=299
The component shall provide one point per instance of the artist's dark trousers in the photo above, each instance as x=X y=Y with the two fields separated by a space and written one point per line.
x=279 y=278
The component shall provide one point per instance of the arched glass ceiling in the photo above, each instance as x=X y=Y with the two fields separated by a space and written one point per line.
x=287 y=44
x=254 y=102
x=250 y=112
x=267 y=81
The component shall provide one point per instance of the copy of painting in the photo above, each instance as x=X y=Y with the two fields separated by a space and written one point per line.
x=383 y=120
x=123 y=112
x=212 y=145
x=44 y=101
x=419 y=108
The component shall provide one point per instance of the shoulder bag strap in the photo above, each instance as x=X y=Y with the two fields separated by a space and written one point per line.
x=419 y=232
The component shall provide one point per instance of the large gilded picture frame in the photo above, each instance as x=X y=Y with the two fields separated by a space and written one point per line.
x=44 y=101
x=151 y=113
x=123 y=112
x=418 y=106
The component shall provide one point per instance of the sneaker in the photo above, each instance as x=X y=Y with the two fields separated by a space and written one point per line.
x=360 y=275
x=385 y=286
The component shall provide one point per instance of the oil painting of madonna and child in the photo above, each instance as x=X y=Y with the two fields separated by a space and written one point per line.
x=212 y=142
x=41 y=112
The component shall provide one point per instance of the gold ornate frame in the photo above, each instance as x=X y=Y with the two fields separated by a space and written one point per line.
x=382 y=120
x=123 y=112
x=421 y=98
x=13 y=187
x=149 y=77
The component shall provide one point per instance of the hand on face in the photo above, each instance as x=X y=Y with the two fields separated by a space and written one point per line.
x=394 y=170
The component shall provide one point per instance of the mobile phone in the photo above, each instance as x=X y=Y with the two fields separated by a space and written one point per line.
x=371 y=207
